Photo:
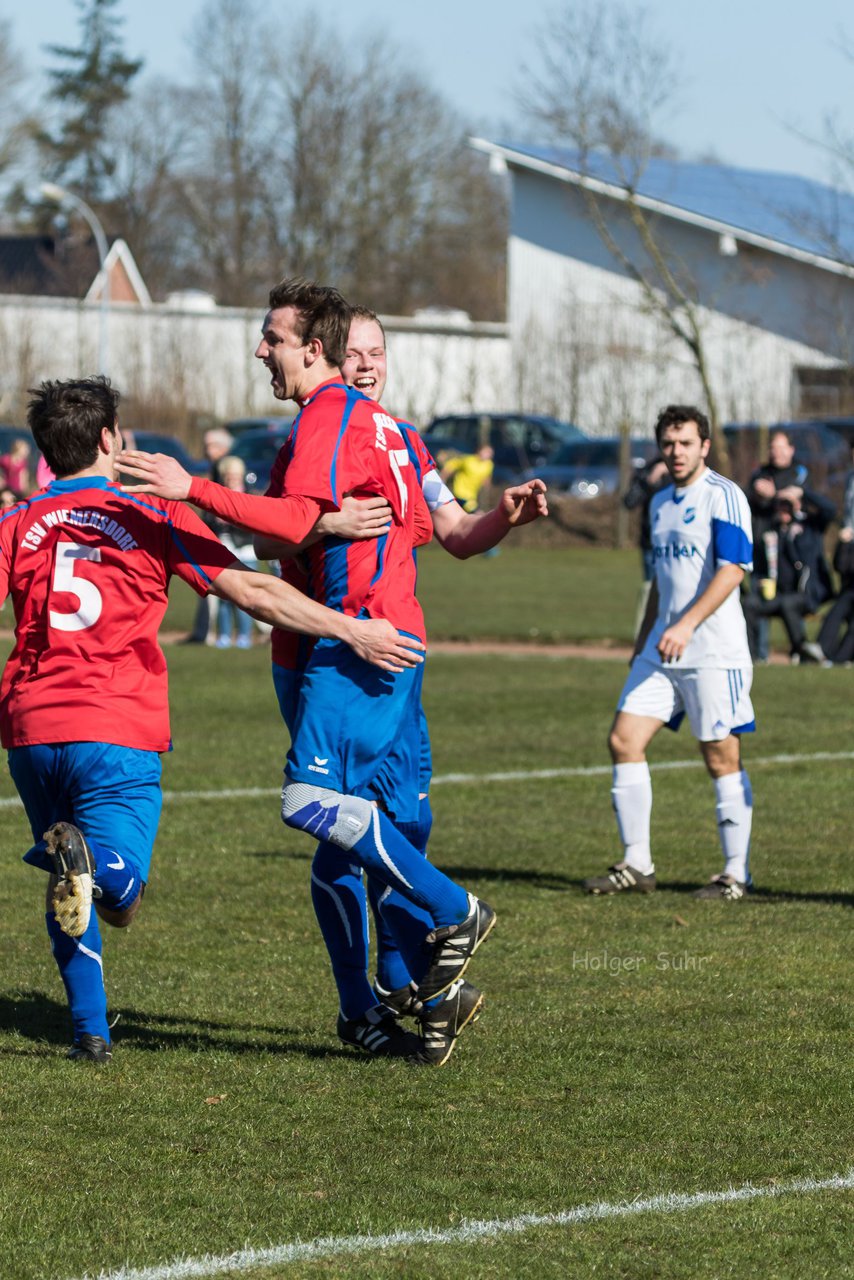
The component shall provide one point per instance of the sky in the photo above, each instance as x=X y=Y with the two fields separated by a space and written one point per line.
x=754 y=85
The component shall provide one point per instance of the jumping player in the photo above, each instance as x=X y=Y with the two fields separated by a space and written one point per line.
x=83 y=700
x=691 y=656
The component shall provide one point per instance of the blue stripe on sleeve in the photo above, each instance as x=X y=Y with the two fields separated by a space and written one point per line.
x=732 y=545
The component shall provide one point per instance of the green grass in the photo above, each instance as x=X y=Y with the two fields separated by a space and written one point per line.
x=629 y=1047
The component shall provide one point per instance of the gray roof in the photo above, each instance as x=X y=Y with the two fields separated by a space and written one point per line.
x=796 y=212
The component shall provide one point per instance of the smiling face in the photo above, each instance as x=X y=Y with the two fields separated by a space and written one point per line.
x=364 y=365
x=283 y=352
x=684 y=452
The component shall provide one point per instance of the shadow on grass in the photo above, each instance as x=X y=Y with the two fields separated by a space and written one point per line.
x=38 y=1017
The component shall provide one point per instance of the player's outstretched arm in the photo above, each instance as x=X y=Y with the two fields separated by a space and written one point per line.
x=269 y=599
x=464 y=534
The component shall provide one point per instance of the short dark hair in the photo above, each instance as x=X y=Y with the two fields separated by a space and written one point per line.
x=781 y=431
x=365 y=313
x=675 y=414
x=324 y=314
x=67 y=418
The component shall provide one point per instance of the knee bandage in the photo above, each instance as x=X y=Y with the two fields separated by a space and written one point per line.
x=324 y=814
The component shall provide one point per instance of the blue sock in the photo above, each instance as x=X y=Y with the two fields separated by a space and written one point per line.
x=401 y=926
x=79 y=964
x=339 y=904
x=401 y=929
x=392 y=859
x=116 y=877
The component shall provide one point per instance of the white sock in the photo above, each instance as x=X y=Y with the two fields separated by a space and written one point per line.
x=631 y=796
x=734 y=813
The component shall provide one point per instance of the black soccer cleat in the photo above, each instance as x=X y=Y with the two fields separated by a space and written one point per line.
x=442 y=1022
x=377 y=1032
x=403 y=1001
x=621 y=878
x=74 y=867
x=452 y=947
x=90 y=1049
x=724 y=888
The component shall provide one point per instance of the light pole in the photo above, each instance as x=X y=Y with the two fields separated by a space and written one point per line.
x=51 y=191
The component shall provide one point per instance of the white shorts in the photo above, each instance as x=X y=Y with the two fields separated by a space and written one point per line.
x=716 y=700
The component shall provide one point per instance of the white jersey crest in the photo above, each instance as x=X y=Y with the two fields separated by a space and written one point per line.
x=695 y=530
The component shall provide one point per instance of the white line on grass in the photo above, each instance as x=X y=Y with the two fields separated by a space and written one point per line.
x=335 y=1246
x=515 y=775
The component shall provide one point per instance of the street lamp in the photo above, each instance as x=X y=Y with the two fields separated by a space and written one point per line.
x=51 y=191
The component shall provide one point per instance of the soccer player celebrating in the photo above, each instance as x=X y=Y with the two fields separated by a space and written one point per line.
x=341 y=767
x=691 y=656
x=83 y=700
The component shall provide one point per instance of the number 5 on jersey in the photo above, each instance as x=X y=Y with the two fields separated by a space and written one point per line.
x=88 y=595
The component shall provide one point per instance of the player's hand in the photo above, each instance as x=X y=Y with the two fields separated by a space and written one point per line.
x=358 y=518
x=675 y=641
x=522 y=503
x=375 y=640
x=158 y=474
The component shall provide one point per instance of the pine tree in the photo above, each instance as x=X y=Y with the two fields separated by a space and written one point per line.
x=90 y=82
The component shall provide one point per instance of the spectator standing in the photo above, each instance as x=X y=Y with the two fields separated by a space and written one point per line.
x=467 y=474
x=216 y=444
x=232 y=472
x=779 y=472
x=15 y=467
x=640 y=493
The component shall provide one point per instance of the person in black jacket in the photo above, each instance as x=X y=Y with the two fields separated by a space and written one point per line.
x=803 y=580
x=778 y=473
x=835 y=645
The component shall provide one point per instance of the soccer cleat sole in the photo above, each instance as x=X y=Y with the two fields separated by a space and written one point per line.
x=74 y=869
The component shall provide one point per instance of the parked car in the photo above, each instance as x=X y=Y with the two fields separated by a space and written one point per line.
x=258 y=449
x=239 y=426
x=520 y=440
x=590 y=468
x=825 y=453
x=155 y=442
x=8 y=434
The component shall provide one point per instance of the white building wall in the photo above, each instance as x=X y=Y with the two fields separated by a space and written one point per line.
x=586 y=347
x=204 y=360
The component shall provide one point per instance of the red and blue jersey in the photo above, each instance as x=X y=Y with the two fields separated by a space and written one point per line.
x=344 y=443
x=341 y=443
x=88 y=568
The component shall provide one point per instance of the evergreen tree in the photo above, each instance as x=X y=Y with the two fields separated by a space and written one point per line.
x=90 y=82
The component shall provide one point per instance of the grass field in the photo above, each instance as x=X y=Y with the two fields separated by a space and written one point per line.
x=630 y=1048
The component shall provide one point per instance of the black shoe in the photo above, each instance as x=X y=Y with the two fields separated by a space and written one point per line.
x=621 y=878
x=453 y=946
x=403 y=1002
x=724 y=887
x=74 y=867
x=443 y=1022
x=90 y=1049
x=377 y=1032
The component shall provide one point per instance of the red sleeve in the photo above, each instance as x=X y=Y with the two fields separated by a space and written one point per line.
x=193 y=553
x=289 y=518
x=423 y=522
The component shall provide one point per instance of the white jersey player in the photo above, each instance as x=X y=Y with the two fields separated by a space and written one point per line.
x=691 y=658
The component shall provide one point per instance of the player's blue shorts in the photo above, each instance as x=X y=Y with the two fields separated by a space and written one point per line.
x=111 y=793
x=357 y=729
